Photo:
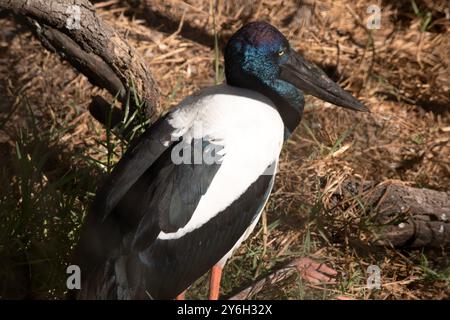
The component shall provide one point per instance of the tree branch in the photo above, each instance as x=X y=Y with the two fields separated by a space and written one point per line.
x=72 y=29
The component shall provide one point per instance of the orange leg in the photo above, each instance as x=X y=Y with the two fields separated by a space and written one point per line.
x=214 y=284
x=181 y=296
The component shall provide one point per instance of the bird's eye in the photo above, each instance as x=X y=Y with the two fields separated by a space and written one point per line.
x=280 y=53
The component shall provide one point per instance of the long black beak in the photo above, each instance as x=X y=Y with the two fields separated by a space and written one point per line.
x=312 y=80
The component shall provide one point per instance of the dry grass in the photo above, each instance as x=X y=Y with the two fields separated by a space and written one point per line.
x=400 y=71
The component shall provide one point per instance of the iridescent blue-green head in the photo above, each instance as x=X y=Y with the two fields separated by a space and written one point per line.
x=259 y=57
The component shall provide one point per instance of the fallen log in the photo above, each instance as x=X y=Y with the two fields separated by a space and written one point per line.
x=403 y=216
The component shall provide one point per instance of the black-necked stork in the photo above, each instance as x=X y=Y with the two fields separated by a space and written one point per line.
x=193 y=186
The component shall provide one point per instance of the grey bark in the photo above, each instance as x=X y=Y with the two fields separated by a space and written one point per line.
x=92 y=47
x=404 y=216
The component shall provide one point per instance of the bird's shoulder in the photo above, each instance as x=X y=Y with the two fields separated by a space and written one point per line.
x=224 y=100
x=225 y=111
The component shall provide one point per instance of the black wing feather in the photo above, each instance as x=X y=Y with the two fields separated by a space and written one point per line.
x=145 y=194
x=169 y=267
x=171 y=193
x=143 y=152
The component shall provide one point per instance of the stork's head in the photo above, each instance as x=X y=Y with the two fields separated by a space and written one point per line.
x=259 y=57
